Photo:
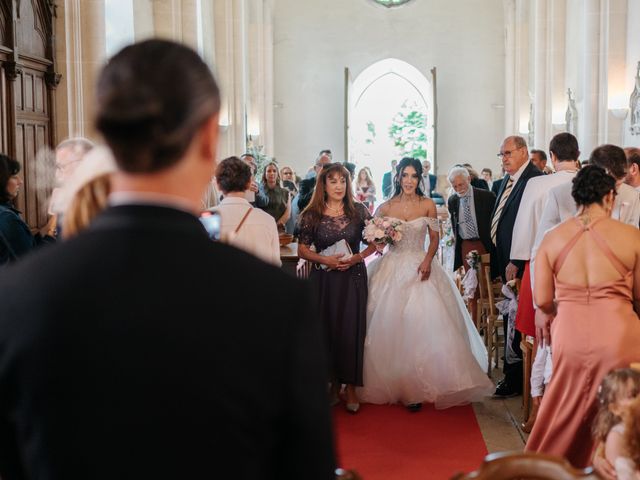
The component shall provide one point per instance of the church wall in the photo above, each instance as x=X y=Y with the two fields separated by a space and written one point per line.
x=315 y=40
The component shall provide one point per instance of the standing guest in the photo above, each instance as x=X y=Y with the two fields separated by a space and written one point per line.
x=429 y=180
x=539 y=159
x=592 y=293
x=387 y=180
x=351 y=167
x=564 y=151
x=627 y=205
x=254 y=195
x=68 y=157
x=289 y=180
x=161 y=368
x=476 y=181
x=250 y=229
x=279 y=206
x=633 y=167
x=16 y=239
x=308 y=185
x=365 y=189
x=487 y=175
x=470 y=209
x=86 y=192
x=340 y=280
x=519 y=170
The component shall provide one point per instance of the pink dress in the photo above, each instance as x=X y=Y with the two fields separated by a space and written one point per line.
x=595 y=331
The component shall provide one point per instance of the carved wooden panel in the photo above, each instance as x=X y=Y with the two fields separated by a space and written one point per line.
x=27 y=86
x=32 y=29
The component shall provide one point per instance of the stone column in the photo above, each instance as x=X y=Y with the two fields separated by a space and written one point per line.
x=80 y=54
x=541 y=84
x=511 y=118
x=588 y=97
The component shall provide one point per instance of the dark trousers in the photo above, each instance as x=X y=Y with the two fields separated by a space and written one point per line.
x=513 y=371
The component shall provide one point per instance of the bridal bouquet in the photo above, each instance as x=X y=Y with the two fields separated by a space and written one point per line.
x=383 y=230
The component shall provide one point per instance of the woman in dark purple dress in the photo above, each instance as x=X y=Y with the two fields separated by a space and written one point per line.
x=340 y=280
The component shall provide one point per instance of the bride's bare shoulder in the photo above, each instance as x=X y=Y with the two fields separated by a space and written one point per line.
x=383 y=209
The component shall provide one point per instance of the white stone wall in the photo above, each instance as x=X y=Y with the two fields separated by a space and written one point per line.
x=314 y=40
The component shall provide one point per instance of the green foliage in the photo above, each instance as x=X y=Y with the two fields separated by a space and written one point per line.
x=409 y=132
x=257 y=152
x=371 y=128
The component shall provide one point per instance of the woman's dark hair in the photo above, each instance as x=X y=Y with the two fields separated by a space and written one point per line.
x=591 y=184
x=564 y=146
x=314 y=211
x=8 y=168
x=404 y=163
x=233 y=175
x=611 y=158
x=152 y=97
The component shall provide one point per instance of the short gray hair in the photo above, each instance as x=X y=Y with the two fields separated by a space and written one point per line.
x=456 y=172
x=79 y=145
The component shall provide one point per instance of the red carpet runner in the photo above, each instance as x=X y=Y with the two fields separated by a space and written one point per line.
x=390 y=443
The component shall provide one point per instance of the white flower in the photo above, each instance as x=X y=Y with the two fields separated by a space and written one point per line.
x=379 y=233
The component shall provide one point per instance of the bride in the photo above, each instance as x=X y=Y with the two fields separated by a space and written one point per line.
x=421 y=345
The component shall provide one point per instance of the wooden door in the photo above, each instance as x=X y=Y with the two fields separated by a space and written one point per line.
x=27 y=99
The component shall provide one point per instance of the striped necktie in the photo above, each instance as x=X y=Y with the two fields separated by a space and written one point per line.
x=496 y=216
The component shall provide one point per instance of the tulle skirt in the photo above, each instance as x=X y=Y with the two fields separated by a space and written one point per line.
x=421 y=344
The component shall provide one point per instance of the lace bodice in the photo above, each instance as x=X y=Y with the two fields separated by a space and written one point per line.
x=414 y=233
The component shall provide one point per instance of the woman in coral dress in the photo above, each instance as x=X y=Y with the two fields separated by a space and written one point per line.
x=590 y=292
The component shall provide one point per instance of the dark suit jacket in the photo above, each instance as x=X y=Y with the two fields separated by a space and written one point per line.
x=495 y=187
x=305 y=192
x=484 y=202
x=137 y=350
x=479 y=183
x=500 y=256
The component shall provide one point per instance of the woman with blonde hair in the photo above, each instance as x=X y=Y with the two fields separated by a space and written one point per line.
x=86 y=192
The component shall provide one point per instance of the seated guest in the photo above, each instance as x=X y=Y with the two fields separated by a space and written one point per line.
x=279 y=206
x=243 y=226
x=16 y=239
x=134 y=350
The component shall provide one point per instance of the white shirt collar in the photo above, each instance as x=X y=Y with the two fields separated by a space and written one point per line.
x=150 y=198
x=516 y=176
x=235 y=201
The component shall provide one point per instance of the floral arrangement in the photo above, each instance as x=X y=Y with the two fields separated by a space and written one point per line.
x=383 y=230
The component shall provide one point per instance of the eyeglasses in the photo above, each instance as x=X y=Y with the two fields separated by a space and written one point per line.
x=508 y=153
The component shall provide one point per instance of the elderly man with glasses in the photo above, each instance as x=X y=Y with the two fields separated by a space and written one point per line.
x=518 y=171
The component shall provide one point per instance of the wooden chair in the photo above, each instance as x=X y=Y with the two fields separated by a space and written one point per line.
x=483 y=300
x=527 y=363
x=494 y=340
x=303 y=269
x=523 y=466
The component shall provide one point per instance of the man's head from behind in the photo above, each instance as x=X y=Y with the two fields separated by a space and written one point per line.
x=152 y=122
x=564 y=148
x=612 y=159
x=514 y=154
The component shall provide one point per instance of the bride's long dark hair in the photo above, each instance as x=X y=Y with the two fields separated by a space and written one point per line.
x=404 y=163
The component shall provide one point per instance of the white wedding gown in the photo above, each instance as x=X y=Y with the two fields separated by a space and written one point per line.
x=421 y=344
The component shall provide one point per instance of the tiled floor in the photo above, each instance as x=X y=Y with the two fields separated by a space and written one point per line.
x=500 y=421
